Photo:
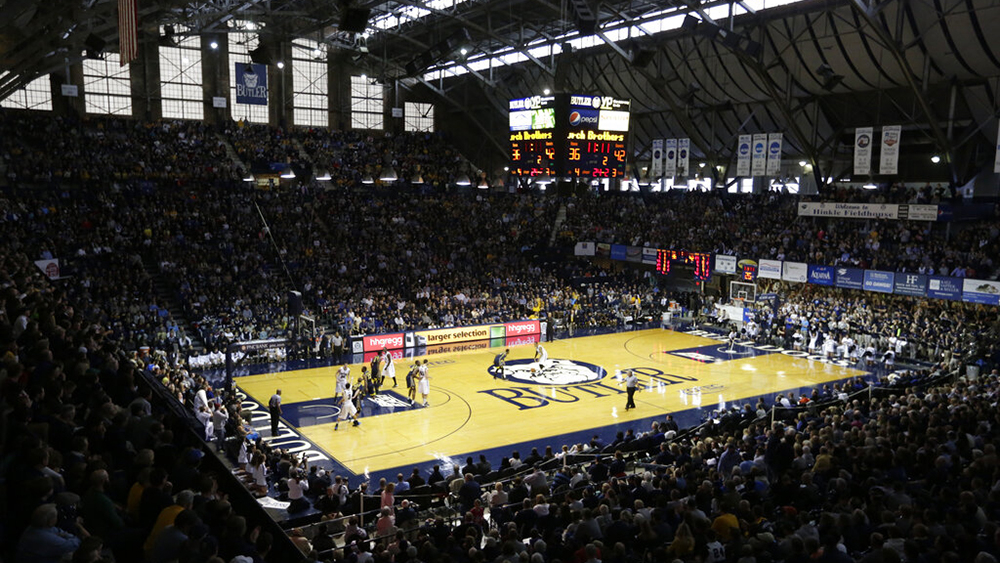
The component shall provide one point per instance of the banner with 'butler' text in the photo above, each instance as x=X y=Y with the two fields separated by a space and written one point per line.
x=251 y=84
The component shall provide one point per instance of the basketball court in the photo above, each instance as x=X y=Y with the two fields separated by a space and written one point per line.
x=577 y=393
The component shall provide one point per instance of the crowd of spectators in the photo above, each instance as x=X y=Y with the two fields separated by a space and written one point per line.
x=904 y=474
x=930 y=330
x=727 y=224
x=91 y=468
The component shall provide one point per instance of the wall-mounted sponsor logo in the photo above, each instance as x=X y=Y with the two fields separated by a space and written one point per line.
x=579 y=117
x=378 y=341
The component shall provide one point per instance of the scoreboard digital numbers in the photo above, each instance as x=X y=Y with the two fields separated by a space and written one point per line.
x=532 y=136
x=569 y=135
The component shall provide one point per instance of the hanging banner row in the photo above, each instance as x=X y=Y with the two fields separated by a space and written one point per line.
x=671 y=157
x=888 y=163
x=759 y=155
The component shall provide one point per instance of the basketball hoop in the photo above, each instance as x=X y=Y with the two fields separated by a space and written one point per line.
x=739 y=302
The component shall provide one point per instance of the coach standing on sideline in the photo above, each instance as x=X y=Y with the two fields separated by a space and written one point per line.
x=630 y=385
x=274 y=406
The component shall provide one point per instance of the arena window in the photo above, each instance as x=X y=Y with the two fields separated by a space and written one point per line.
x=418 y=117
x=240 y=45
x=35 y=95
x=366 y=104
x=181 y=79
x=107 y=87
x=310 y=100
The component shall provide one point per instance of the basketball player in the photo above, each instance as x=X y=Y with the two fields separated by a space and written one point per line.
x=424 y=383
x=388 y=368
x=498 y=362
x=376 y=375
x=348 y=409
x=732 y=339
x=540 y=356
x=411 y=383
x=343 y=376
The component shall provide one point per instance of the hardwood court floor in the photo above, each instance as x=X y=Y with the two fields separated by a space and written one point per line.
x=471 y=411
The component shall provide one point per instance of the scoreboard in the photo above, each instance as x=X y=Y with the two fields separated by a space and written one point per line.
x=569 y=135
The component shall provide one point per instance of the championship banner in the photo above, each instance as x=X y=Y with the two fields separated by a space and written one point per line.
x=743 y=156
x=769 y=269
x=725 y=264
x=981 y=291
x=889 y=157
x=774 y=154
x=49 y=267
x=670 y=158
x=683 y=154
x=795 y=272
x=656 y=162
x=863 y=151
x=996 y=162
x=759 y=162
x=251 y=84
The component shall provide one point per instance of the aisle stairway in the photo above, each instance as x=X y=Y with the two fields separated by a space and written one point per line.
x=231 y=152
x=167 y=297
x=560 y=218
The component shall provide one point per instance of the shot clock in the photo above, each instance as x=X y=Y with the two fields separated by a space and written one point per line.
x=569 y=135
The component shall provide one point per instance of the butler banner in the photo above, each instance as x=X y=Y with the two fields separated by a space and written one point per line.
x=251 y=84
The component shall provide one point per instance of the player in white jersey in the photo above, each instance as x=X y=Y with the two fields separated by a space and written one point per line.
x=388 y=368
x=540 y=356
x=732 y=339
x=424 y=383
x=343 y=376
x=348 y=409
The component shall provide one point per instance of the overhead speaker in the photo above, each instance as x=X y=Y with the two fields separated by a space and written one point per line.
x=355 y=20
x=731 y=40
x=294 y=303
x=690 y=23
x=94 y=43
x=94 y=46
x=261 y=55
x=642 y=57
x=586 y=21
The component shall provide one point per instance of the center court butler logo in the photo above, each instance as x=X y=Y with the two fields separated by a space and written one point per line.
x=555 y=372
